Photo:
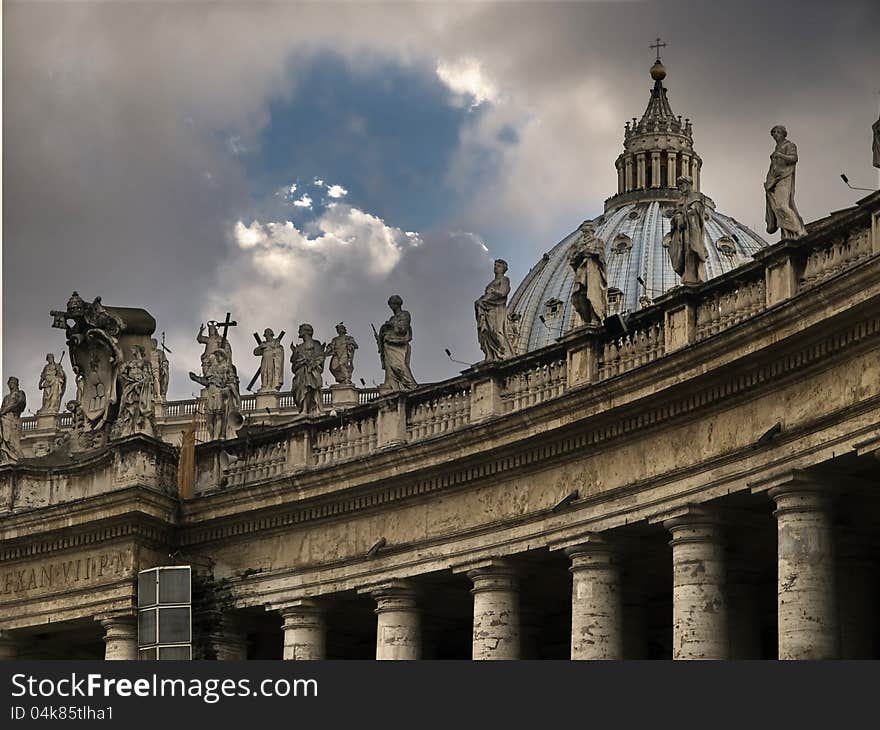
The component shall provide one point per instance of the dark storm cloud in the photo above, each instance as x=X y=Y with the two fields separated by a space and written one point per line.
x=128 y=129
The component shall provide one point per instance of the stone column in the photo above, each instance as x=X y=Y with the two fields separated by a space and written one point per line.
x=398 y=623
x=596 y=606
x=655 y=169
x=670 y=170
x=699 y=605
x=120 y=637
x=628 y=173
x=695 y=171
x=685 y=164
x=620 y=181
x=304 y=630
x=640 y=171
x=496 y=611
x=7 y=647
x=806 y=607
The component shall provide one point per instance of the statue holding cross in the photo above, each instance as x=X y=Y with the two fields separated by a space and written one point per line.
x=214 y=341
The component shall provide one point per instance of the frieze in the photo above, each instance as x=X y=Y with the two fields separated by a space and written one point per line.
x=63 y=574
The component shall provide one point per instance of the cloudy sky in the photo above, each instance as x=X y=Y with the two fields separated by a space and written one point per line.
x=300 y=162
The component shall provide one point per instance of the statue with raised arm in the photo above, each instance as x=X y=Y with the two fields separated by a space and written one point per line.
x=394 y=338
x=53 y=381
x=687 y=246
x=136 y=383
x=493 y=327
x=271 y=354
x=341 y=350
x=781 y=212
x=589 y=296
x=221 y=397
x=213 y=341
x=307 y=361
x=12 y=407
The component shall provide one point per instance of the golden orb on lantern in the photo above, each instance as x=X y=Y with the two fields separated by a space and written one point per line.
x=658 y=71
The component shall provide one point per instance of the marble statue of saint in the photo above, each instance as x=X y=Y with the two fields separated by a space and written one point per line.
x=271 y=354
x=341 y=350
x=222 y=400
x=11 y=409
x=394 y=338
x=687 y=247
x=136 y=384
x=161 y=370
x=53 y=381
x=589 y=296
x=876 y=145
x=307 y=360
x=782 y=214
x=493 y=326
x=213 y=341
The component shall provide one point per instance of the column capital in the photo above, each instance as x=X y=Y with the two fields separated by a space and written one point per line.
x=691 y=520
x=394 y=595
x=298 y=607
x=492 y=574
x=118 y=623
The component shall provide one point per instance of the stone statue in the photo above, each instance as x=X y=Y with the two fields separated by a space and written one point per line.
x=213 y=341
x=687 y=247
x=493 y=326
x=53 y=381
x=271 y=354
x=307 y=360
x=782 y=214
x=393 y=339
x=876 y=146
x=161 y=370
x=341 y=350
x=589 y=297
x=221 y=397
x=11 y=409
x=136 y=384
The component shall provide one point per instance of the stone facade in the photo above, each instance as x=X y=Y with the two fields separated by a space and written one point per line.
x=700 y=486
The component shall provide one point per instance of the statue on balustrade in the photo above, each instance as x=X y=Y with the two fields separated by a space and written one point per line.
x=687 y=245
x=213 y=342
x=161 y=370
x=136 y=383
x=393 y=339
x=341 y=350
x=11 y=409
x=589 y=296
x=307 y=360
x=53 y=381
x=271 y=354
x=781 y=213
x=221 y=397
x=493 y=326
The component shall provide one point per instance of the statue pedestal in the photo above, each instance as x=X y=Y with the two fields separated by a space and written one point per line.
x=343 y=395
x=47 y=421
x=268 y=400
x=582 y=349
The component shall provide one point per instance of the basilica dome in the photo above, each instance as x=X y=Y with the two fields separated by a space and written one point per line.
x=635 y=229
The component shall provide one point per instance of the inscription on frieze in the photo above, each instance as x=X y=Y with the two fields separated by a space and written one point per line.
x=77 y=571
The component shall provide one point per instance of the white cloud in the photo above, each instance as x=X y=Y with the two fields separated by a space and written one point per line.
x=304 y=202
x=319 y=182
x=336 y=191
x=465 y=77
x=343 y=268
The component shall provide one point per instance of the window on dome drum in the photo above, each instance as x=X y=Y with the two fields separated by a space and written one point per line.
x=553 y=306
x=726 y=246
x=615 y=297
x=622 y=243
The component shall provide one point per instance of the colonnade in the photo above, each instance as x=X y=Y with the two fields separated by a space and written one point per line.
x=703 y=625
